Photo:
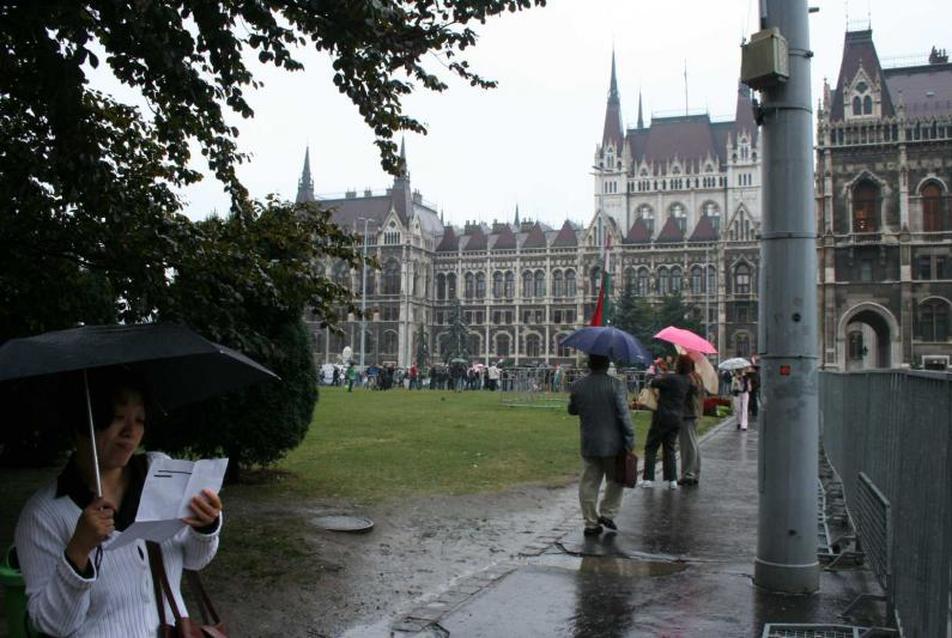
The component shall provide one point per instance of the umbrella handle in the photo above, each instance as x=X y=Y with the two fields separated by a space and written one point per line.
x=92 y=436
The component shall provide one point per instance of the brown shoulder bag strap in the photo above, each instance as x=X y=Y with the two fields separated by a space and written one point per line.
x=158 y=569
x=206 y=608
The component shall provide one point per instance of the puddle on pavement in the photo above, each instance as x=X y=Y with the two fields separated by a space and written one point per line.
x=613 y=565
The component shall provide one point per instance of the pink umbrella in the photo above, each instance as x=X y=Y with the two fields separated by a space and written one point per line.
x=686 y=339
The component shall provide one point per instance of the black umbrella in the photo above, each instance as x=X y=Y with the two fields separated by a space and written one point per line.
x=178 y=365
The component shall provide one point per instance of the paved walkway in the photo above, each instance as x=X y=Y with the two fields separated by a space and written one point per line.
x=681 y=564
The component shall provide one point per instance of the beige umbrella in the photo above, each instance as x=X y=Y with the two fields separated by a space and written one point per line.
x=703 y=367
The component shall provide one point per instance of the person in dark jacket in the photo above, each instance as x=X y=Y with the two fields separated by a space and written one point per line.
x=673 y=392
x=601 y=403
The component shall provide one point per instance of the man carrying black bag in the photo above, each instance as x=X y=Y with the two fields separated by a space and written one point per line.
x=601 y=403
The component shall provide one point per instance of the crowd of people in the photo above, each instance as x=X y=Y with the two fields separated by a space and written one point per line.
x=600 y=401
x=458 y=376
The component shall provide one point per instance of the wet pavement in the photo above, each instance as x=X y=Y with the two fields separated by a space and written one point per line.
x=681 y=564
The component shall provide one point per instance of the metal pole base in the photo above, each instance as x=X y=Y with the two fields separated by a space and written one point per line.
x=787 y=579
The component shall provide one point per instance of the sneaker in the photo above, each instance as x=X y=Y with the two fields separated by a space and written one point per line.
x=646 y=484
x=673 y=485
x=608 y=523
x=592 y=531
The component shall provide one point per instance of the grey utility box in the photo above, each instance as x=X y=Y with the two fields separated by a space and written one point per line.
x=764 y=61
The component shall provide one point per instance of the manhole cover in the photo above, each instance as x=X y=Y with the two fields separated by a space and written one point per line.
x=344 y=523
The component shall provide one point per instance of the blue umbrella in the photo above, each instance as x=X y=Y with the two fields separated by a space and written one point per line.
x=611 y=342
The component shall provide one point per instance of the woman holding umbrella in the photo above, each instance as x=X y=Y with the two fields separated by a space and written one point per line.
x=73 y=587
x=673 y=393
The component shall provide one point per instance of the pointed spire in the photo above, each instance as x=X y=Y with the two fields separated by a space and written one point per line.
x=612 y=132
x=305 y=184
x=641 y=119
x=516 y=221
x=613 y=87
x=404 y=171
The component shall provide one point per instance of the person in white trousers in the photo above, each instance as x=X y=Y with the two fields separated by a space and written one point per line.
x=740 y=389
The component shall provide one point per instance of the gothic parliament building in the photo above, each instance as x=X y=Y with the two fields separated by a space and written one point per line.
x=679 y=203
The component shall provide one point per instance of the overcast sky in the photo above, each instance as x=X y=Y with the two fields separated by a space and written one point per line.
x=531 y=141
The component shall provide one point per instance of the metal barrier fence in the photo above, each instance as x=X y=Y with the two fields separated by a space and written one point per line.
x=896 y=428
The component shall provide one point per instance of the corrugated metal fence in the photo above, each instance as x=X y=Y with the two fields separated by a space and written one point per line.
x=896 y=427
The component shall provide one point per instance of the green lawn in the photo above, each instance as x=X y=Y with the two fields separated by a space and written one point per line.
x=369 y=446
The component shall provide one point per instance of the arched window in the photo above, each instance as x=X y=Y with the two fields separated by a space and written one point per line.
x=450 y=286
x=697 y=280
x=497 y=284
x=480 y=285
x=712 y=278
x=561 y=350
x=680 y=215
x=676 y=277
x=933 y=215
x=474 y=345
x=533 y=346
x=630 y=279
x=713 y=212
x=664 y=283
x=646 y=213
x=539 y=283
x=742 y=344
x=594 y=280
x=867 y=105
x=557 y=288
x=857 y=106
x=391 y=278
x=865 y=207
x=641 y=288
x=933 y=322
x=341 y=274
x=571 y=288
x=510 y=285
x=469 y=285
x=389 y=343
x=441 y=287
x=527 y=286
x=742 y=276
x=502 y=345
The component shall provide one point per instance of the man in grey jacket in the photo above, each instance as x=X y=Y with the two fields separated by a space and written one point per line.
x=601 y=403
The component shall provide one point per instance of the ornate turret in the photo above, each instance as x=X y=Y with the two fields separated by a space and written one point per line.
x=305 y=184
x=400 y=194
x=641 y=119
x=613 y=131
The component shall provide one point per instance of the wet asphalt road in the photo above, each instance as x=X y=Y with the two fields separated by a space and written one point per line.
x=680 y=565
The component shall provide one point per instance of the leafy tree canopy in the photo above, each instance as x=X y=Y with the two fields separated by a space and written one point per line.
x=637 y=316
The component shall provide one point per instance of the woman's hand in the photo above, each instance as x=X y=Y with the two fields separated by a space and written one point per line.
x=206 y=507
x=94 y=526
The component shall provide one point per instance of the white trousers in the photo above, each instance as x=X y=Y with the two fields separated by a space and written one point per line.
x=740 y=409
x=594 y=469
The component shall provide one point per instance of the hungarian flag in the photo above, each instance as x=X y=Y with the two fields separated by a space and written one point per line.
x=604 y=294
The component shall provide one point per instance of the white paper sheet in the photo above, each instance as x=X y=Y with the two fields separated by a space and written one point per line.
x=169 y=488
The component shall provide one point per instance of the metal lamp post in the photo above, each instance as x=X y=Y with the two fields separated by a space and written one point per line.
x=363 y=295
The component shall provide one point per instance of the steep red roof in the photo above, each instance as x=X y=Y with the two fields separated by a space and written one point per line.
x=477 y=239
x=449 y=243
x=670 y=233
x=859 y=50
x=536 y=238
x=704 y=231
x=638 y=233
x=566 y=236
x=505 y=239
x=686 y=137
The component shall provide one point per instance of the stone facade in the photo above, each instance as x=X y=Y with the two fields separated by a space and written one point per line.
x=883 y=172
x=676 y=206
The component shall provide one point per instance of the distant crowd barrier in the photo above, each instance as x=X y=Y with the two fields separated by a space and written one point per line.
x=888 y=434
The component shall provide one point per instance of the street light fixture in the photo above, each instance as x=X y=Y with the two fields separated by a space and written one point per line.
x=363 y=294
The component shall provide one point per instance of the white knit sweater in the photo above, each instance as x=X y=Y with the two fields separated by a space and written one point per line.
x=118 y=600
